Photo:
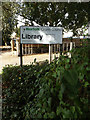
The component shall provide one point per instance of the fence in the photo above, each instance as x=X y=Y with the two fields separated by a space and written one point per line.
x=28 y=49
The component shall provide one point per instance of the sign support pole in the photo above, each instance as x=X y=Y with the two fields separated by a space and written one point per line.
x=61 y=49
x=20 y=54
x=50 y=53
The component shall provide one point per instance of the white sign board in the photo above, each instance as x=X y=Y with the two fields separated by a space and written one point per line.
x=41 y=35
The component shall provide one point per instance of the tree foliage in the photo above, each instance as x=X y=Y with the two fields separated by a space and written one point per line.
x=8 y=20
x=71 y=16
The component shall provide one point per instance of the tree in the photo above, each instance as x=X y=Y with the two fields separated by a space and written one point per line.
x=8 y=20
x=71 y=16
x=79 y=15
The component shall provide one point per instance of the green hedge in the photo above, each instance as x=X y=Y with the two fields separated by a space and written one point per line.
x=56 y=91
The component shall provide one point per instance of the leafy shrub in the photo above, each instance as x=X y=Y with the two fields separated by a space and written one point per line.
x=19 y=87
x=56 y=91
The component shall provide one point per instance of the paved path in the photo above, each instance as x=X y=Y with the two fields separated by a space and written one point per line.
x=8 y=58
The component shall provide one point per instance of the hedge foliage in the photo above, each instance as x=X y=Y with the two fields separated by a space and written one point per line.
x=56 y=91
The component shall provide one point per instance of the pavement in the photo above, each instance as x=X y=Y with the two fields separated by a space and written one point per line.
x=9 y=58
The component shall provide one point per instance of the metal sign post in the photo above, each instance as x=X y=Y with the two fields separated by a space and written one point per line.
x=61 y=49
x=50 y=53
x=20 y=54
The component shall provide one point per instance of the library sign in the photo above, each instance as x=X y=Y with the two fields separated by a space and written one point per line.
x=40 y=35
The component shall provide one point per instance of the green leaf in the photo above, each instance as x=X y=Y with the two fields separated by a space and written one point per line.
x=59 y=110
x=72 y=108
x=58 y=73
x=86 y=84
x=62 y=88
x=60 y=96
x=41 y=92
x=51 y=115
x=67 y=60
x=88 y=68
x=71 y=77
x=43 y=110
x=66 y=113
x=54 y=75
x=49 y=101
x=52 y=90
x=45 y=115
